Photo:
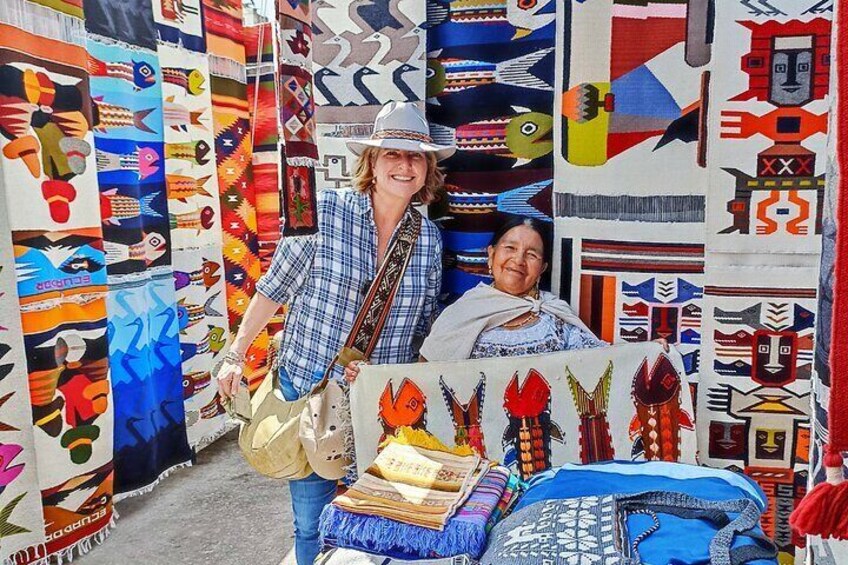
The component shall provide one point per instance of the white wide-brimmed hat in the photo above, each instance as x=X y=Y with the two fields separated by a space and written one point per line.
x=401 y=125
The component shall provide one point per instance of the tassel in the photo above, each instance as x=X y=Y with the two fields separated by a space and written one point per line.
x=824 y=510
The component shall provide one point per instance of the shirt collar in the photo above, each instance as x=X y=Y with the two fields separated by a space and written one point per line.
x=366 y=208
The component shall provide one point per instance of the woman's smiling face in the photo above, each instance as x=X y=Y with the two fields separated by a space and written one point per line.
x=517 y=260
x=400 y=173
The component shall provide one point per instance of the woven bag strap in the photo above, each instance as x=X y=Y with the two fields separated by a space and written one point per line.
x=374 y=312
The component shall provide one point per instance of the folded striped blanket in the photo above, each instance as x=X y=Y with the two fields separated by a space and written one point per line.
x=464 y=533
x=414 y=485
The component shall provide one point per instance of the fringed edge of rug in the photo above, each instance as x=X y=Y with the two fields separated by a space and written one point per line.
x=149 y=488
x=112 y=42
x=64 y=555
x=223 y=67
x=30 y=555
x=363 y=532
x=43 y=21
x=211 y=438
x=302 y=162
x=350 y=471
x=298 y=64
x=83 y=546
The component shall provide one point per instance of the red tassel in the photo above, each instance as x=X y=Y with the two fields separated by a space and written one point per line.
x=824 y=510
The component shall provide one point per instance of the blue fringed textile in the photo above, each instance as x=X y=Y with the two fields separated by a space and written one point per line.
x=395 y=539
x=464 y=533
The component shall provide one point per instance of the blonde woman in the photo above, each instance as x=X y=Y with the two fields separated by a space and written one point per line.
x=324 y=279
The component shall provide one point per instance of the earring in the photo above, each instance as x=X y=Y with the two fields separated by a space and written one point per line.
x=490 y=270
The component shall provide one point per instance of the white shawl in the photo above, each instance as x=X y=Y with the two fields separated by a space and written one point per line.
x=456 y=330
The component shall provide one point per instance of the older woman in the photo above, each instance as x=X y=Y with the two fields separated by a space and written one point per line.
x=324 y=279
x=511 y=317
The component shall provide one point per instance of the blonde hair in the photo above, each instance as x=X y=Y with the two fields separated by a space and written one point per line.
x=363 y=176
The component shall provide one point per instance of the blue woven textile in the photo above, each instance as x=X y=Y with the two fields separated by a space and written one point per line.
x=662 y=546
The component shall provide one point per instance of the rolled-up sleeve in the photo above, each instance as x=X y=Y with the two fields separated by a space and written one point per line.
x=434 y=287
x=289 y=268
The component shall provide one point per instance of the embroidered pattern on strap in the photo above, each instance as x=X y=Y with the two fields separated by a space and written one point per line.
x=368 y=325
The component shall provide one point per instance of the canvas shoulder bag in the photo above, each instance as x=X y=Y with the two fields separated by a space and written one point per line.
x=326 y=432
x=269 y=440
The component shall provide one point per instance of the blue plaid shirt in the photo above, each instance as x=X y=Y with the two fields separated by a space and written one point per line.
x=325 y=277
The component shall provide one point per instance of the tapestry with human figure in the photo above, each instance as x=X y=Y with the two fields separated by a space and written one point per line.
x=768 y=129
x=536 y=412
x=50 y=177
x=754 y=394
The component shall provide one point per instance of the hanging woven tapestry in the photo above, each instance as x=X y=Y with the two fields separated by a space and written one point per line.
x=296 y=99
x=130 y=159
x=144 y=352
x=195 y=221
x=128 y=22
x=771 y=79
x=260 y=44
x=754 y=399
x=297 y=109
x=830 y=551
x=47 y=148
x=20 y=499
x=631 y=283
x=364 y=56
x=46 y=133
x=233 y=158
x=150 y=435
x=180 y=22
x=62 y=287
x=490 y=89
x=238 y=207
x=632 y=90
x=535 y=412
x=222 y=22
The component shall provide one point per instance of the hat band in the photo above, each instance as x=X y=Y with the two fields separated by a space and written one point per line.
x=402 y=134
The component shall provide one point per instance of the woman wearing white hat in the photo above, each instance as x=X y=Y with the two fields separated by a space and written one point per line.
x=324 y=279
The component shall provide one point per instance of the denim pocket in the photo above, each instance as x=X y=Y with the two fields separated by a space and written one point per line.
x=286 y=386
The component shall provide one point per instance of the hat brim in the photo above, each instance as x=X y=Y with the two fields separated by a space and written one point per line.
x=357 y=146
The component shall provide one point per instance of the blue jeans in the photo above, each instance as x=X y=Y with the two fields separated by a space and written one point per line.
x=286 y=386
x=309 y=497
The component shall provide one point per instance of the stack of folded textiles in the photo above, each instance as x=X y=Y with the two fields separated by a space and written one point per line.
x=420 y=499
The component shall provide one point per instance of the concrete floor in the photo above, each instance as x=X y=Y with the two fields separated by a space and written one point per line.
x=218 y=511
